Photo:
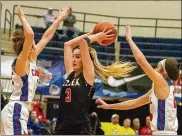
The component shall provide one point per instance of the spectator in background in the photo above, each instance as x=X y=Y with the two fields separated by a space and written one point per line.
x=68 y=26
x=49 y=18
x=3 y=101
x=112 y=128
x=136 y=125
x=34 y=127
x=39 y=107
x=146 y=130
x=178 y=83
x=53 y=125
x=17 y=26
x=126 y=129
x=95 y=124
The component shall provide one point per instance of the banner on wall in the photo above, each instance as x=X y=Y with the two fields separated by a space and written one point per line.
x=57 y=69
x=131 y=87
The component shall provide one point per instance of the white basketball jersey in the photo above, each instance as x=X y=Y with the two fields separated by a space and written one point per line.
x=23 y=88
x=163 y=113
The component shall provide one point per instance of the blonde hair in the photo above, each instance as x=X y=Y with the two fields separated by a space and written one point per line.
x=118 y=69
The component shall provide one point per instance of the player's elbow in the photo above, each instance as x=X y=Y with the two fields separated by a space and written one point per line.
x=163 y=96
x=67 y=48
x=66 y=44
x=29 y=35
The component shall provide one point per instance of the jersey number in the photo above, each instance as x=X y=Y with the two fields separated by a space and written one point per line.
x=68 y=92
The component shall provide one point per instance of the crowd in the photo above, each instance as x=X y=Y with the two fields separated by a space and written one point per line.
x=38 y=124
x=115 y=128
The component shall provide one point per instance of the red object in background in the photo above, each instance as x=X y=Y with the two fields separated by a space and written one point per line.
x=146 y=131
x=178 y=84
x=179 y=81
x=40 y=113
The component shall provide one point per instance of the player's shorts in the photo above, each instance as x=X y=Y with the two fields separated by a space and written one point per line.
x=14 y=118
x=164 y=133
x=79 y=129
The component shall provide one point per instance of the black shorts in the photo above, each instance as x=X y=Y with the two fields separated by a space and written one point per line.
x=80 y=129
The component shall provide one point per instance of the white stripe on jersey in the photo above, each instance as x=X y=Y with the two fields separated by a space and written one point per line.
x=24 y=87
x=163 y=112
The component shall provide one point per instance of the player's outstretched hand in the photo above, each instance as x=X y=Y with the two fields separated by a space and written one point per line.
x=104 y=35
x=20 y=12
x=128 y=33
x=64 y=12
x=101 y=104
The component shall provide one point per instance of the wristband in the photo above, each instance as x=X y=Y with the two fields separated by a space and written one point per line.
x=87 y=39
x=90 y=33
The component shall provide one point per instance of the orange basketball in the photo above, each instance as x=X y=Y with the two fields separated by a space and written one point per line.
x=101 y=26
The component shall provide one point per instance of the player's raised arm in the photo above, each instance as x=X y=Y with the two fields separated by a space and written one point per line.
x=23 y=52
x=157 y=78
x=28 y=33
x=64 y=12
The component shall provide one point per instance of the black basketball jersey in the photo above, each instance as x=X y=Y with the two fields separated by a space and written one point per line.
x=74 y=101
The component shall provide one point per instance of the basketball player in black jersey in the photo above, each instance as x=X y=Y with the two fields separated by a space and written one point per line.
x=81 y=63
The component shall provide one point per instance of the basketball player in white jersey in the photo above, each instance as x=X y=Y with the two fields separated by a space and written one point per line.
x=163 y=112
x=25 y=74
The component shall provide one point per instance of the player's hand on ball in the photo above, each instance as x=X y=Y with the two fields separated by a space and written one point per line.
x=104 y=35
x=101 y=103
x=64 y=12
x=128 y=33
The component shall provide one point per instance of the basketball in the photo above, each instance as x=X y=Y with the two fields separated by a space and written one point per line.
x=101 y=26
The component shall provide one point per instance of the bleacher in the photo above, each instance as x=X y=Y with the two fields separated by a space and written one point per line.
x=154 y=49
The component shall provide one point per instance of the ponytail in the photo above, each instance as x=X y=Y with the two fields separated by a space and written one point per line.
x=117 y=69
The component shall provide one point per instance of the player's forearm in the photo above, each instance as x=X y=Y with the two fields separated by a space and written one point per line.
x=75 y=42
x=136 y=52
x=127 y=105
x=52 y=29
x=26 y=27
x=93 y=38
